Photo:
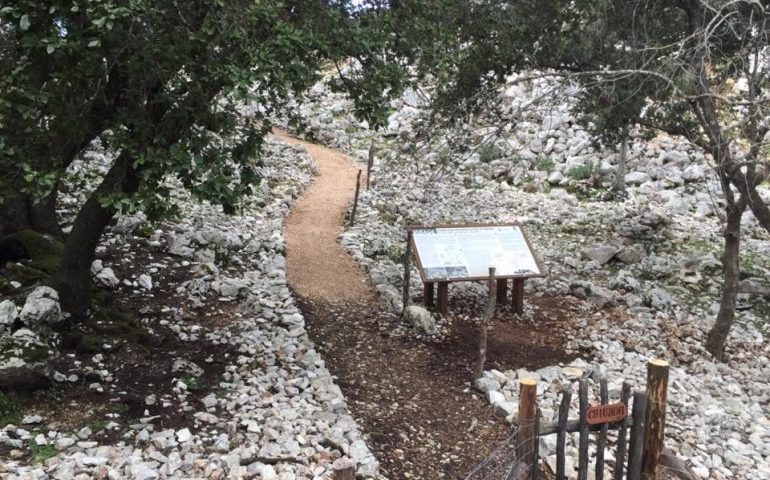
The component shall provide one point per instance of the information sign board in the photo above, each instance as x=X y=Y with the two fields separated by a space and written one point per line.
x=466 y=252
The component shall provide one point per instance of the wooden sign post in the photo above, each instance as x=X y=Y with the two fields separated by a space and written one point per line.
x=458 y=253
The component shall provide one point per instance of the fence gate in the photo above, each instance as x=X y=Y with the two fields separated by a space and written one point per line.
x=640 y=434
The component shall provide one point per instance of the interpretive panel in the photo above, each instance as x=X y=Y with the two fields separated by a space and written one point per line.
x=451 y=253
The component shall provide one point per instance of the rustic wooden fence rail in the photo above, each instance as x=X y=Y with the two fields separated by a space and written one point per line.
x=639 y=442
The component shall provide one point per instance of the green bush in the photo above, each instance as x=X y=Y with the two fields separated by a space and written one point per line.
x=544 y=163
x=488 y=152
x=581 y=172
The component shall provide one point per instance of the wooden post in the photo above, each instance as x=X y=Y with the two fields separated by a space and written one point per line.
x=344 y=469
x=407 y=270
x=489 y=309
x=535 y=468
x=601 y=442
x=369 y=165
x=526 y=437
x=635 y=441
x=518 y=296
x=620 y=455
x=655 y=417
x=355 y=200
x=428 y=293
x=561 y=433
x=502 y=291
x=583 y=441
x=442 y=298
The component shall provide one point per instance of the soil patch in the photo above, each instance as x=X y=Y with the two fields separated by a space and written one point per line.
x=413 y=396
x=128 y=350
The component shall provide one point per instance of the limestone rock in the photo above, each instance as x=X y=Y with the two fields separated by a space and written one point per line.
x=25 y=361
x=41 y=307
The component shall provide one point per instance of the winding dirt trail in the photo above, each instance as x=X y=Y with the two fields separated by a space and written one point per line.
x=411 y=397
x=318 y=268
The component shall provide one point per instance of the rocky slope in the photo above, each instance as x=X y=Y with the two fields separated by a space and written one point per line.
x=654 y=255
x=274 y=411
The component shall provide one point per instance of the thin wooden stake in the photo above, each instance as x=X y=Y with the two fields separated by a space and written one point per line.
x=583 y=442
x=527 y=410
x=561 y=434
x=655 y=418
x=405 y=299
x=489 y=309
x=620 y=454
x=355 y=200
x=635 y=442
x=344 y=469
x=369 y=165
x=601 y=442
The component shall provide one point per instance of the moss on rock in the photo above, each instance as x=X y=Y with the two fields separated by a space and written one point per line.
x=44 y=251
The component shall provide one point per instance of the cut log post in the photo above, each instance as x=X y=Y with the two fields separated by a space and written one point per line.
x=517 y=299
x=620 y=454
x=655 y=417
x=526 y=437
x=601 y=442
x=442 y=298
x=429 y=294
x=355 y=199
x=344 y=469
x=405 y=299
x=583 y=441
x=502 y=291
x=535 y=466
x=561 y=434
x=489 y=309
x=369 y=165
x=635 y=441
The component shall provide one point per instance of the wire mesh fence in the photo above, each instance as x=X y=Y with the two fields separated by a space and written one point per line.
x=509 y=460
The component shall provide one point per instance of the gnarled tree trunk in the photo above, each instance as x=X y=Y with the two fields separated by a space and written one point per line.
x=731 y=267
x=73 y=279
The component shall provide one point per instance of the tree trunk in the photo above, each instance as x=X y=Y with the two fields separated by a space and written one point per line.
x=731 y=267
x=620 y=173
x=73 y=279
x=42 y=215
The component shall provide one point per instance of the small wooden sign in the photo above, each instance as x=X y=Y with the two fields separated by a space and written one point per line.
x=613 y=412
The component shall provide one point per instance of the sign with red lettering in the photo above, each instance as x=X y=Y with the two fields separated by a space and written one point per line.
x=611 y=413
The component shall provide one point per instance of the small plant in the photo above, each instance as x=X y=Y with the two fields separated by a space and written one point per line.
x=10 y=411
x=41 y=453
x=581 y=172
x=544 y=163
x=488 y=152
x=193 y=383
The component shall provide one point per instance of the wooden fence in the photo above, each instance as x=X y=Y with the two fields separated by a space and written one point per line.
x=639 y=452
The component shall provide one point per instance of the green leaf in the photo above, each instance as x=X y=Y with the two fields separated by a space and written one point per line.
x=95 y=43
x=24 y=22
x=50 y=48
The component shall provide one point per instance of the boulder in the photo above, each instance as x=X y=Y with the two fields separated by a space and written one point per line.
x=637 y=178
x=421 y=319
x=751 y=286
x=632 y=254
x=106 y=277
x=8 y=314
x=25 y=360
x=659 y=299
x=41 y=307
x=599 y=253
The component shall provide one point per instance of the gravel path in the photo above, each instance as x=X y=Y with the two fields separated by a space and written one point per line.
x=317 y=266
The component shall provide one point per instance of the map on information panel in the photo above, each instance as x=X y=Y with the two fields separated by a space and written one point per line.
x=459 y=252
